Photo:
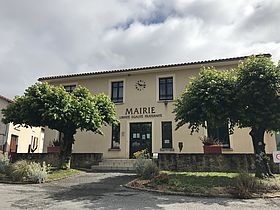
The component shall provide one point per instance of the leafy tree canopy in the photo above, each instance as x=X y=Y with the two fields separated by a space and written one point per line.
x=247 y=96
x=257 y=94
x=207 y=97
x=46 y=105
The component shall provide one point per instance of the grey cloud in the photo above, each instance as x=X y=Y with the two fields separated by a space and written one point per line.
x=40 y=38
x=263 y=24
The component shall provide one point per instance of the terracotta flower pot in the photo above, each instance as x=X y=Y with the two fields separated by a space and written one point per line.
x=212 y=149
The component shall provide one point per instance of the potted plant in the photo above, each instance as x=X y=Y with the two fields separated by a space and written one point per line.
x=55 y=147
x=211 y=145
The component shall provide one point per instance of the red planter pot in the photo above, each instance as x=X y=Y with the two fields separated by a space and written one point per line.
x=212 y=149
x=55 y=149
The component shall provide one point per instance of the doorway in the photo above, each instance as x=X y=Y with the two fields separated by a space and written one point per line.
x=13 y=144
x=140 y=138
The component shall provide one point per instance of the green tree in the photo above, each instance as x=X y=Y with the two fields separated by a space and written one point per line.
x=46 y=105
x=245 y=97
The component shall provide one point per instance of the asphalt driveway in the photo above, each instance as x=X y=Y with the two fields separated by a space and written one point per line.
x=105 y=191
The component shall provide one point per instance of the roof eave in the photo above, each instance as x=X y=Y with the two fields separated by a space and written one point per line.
x=147 y=68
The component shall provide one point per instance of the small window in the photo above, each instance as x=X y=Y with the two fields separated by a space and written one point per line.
x=166 y=88
x=69 y=88
x=220 y=133
x=117 y=92
x=166 y=128
x=115 y=137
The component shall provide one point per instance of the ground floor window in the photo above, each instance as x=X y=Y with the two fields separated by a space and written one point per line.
x=115 y=136
x=166 y=130
x=220 y=133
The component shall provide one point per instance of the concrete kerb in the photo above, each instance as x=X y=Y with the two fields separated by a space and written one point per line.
x=227 y=195
x=46 y=181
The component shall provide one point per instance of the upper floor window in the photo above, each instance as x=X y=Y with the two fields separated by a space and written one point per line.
x=166 y=88
x=69 y=88
x=117 y=92
x=220 y=133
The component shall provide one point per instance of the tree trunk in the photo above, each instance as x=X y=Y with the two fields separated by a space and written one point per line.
x=66 y=149
x=261 y=160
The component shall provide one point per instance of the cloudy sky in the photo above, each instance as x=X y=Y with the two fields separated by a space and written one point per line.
x=42 y=38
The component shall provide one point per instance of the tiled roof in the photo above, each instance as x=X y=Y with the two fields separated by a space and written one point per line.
x=146 y=68
x=6 y=99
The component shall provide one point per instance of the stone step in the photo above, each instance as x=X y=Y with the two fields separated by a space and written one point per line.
x=115 y=165
x=109 y=168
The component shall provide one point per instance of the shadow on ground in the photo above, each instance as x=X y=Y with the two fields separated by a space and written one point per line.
x=109 y=194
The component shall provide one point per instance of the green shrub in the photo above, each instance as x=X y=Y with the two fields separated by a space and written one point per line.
x=146 y=168
x=24 y=170
x=139 y=166
x=150 y=170
x=37 y=173
x=4 y=163
x=246 y=184
x=19 y=170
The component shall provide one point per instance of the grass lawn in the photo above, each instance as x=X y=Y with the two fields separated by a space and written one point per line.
x=212 y=183
x=60 y=174
x=199 y=182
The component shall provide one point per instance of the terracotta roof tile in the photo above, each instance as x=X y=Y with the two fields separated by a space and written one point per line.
x=6 y=99
x=146 y=68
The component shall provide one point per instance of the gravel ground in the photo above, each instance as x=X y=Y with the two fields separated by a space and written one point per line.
x=105 y=191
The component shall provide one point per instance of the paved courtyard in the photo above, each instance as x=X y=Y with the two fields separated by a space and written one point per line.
x=105 y=191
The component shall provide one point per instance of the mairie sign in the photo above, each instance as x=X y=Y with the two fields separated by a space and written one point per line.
x=140 y=112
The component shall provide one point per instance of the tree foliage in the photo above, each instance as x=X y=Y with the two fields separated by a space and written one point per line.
x=207 y=98
x=247 y=96
x=46 y=105
x=257 y=95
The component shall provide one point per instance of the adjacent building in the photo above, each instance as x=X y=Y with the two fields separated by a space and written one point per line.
x=17 y=139
x=144 y=99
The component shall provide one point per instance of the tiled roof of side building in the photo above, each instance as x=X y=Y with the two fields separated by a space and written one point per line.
x=147 y=67
x=6 y=99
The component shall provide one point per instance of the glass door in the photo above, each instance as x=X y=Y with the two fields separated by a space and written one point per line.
x=140 y=138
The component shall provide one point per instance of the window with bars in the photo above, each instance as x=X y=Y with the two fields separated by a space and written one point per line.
x=166 y=130
x=117 y=92
x=116 y=137
x=166 y=88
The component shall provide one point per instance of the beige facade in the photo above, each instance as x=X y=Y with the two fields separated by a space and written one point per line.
x=141 y=104
x=14 y=138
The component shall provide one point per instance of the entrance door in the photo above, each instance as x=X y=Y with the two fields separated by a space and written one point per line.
x=140 y=137
x=13 y=144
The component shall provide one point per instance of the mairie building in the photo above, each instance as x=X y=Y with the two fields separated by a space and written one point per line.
x=145 y=99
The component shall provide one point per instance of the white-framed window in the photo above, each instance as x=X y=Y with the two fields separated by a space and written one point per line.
x=117 y=90
x=165 y=90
